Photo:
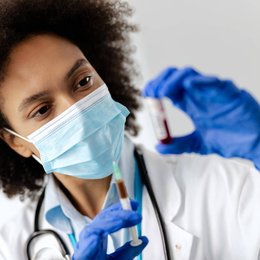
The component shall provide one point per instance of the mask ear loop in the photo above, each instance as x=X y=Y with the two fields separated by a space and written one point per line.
x=36 y=159
x=25 y=139
x=14 y=133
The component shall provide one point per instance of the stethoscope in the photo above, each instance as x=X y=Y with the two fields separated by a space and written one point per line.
x=64 y=248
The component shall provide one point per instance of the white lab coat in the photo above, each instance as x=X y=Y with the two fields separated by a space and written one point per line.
x=210 y=205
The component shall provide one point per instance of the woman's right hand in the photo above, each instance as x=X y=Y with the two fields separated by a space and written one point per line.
x=92 y=242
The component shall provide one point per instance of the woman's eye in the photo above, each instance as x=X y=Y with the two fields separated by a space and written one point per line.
x=42 y=111
x=84 y=82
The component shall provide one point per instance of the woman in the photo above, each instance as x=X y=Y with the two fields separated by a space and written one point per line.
x=58 y=60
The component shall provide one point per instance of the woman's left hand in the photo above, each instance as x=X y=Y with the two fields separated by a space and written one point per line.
x=226 y=118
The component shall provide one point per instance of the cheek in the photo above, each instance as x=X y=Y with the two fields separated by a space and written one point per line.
x=30 y=146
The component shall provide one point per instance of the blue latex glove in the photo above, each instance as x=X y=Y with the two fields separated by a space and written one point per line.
x=93 y=238
x=227 y=119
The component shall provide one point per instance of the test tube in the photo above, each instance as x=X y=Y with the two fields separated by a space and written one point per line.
x=159 y=120
x=125 y=202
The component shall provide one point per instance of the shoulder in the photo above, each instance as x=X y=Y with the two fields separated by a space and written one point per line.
x=211 y=175
x=217 y=176
x=195 y=166
x=15 y=232
x=24 y=215
x=215 y=173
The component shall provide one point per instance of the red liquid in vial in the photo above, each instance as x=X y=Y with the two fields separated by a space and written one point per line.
x=159 y=121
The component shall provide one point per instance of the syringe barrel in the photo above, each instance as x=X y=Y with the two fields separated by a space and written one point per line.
x=126 y=204
x=133 y=230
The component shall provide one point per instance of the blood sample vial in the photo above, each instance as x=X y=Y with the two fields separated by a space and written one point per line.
x=159 y=121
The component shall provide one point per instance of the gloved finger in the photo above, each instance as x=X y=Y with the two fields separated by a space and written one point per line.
x=122 y=219
x=134 y=204
x=173 y=87
x=200 y=81
x=88 y=248
x=118 y=206
x=251 y=105
x=111 y=223
x=128 y=252
x=185 y=144
x=210 y=89
x=152 y=87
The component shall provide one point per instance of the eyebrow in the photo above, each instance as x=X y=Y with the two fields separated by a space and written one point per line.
x=30 y=100
x=76 y=65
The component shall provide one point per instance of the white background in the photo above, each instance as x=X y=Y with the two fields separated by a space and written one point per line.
x=216 y=37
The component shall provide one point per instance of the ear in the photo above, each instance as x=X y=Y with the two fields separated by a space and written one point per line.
x=19 y=145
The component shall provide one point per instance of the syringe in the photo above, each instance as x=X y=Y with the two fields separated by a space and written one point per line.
x=125 y=202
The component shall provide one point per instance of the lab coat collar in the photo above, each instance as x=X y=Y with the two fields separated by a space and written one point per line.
x=53 y=210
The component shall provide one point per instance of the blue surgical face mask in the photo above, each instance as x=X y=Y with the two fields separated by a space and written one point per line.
x=84 y=139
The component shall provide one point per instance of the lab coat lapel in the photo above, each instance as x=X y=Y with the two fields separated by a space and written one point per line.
x=161 y=170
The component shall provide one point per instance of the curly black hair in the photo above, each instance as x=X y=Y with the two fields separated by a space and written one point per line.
x=101 y=30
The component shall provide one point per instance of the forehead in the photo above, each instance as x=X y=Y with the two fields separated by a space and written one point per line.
x=39 y=54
